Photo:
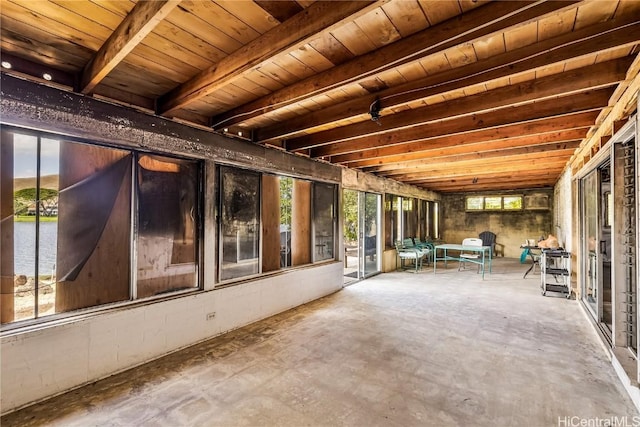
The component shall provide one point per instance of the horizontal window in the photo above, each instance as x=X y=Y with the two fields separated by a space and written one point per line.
x=493 y=203
x=68 y=211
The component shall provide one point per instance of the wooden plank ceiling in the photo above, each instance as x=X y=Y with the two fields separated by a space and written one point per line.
x=449 y=95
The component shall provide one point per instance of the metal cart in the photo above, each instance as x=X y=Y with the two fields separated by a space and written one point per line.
x=557 y=264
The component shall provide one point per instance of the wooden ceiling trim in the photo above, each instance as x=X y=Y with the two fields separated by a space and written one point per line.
x=471 y=146
x=544 y=129
x=484 y=20
x=486 y=154
x=297 y=31
x=582 y=102
x=588 y=78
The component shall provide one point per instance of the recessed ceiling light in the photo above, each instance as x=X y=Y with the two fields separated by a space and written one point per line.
x=6 y=64
x=240 y=133
x=226 y=129
x=47 y=76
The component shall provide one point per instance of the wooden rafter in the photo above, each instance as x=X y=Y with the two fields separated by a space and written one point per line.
x=491 y=18
x=588 y=40
x=592 y=77
x=581 y=102
x=142 y=19
x=319 y=18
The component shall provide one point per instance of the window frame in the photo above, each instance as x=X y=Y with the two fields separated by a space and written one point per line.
x=484 y=207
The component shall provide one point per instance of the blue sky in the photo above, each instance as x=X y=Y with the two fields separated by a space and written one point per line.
x=24 y=156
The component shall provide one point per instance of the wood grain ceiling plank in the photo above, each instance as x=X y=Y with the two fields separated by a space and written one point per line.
x=437 y=12
x=262 y=79
x=378 y=28
x=582 y=102
x=32 y=16
x=485 y=20
x=354 y=39
x=525 y=177
x=596 y=76
x=545 y=54
x=503 y=185
x=461 y=55
x=142 y=19
x=226 y=22
x=556 y=24
x=320 y=17
x=281 y=10
x=520 y=36
x=564 y=125
x=329 y=47
x=456 y=178
x=407 y=16
x=411 y=72
x=279 y=74
x=447 y=147
x=489 y=46
x=293 y=66
x=311 y=58
x=594 y=11
x=250 y=13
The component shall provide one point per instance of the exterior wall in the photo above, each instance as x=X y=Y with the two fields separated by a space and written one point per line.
x=87 y=349
x=563 y=200
x=511 y=228
x=49 y=358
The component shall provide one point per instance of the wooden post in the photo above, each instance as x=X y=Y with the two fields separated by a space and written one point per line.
x=6 y=228
x=301 y=223
x=270 y=223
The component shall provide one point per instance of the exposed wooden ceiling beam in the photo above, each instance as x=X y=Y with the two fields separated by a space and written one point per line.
x=588 y=40
x=577 y=80
x=142 y=19
x=463 y=143
x=493 y=186
x=459 y=178
x=581 y=102
x=487 y=19
x=321 y=17
x=510 y=163
x=491 y=152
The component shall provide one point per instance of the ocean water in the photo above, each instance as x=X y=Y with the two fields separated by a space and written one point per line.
x=25 y=247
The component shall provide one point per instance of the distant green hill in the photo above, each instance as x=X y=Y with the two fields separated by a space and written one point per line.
x=47 y=181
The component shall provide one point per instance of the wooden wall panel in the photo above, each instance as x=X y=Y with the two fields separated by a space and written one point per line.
x=6 y=227
x=105 y=276
x=301 y=223
x=270 y=223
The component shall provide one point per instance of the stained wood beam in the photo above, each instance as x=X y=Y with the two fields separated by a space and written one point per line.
x=588 y=40
x=142 y=19
x=450 y=155
x=573 y=81
x=511 y=164
x=499 y=185
x=464 y=143
x=321 y=17
x=582 y=102
x=459 y=178
x=487 y=19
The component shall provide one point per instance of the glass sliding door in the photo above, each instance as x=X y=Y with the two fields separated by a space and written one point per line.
x=361 y=231
x=590 y=291
x=369 y=233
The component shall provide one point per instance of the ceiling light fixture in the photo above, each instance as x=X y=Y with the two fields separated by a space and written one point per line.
x=6 y=64
x=47 y=76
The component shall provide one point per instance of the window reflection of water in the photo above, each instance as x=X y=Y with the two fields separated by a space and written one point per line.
x=25 y=247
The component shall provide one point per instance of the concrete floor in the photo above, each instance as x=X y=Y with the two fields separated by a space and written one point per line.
x=398 y=349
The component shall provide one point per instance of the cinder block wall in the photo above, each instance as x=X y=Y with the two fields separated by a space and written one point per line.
x=511 y=227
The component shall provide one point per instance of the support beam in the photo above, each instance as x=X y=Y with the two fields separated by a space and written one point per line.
x=142 y=19
x=497 y=185
x=466 y=177
x=491 y=18
x=583 y=102
x=588 y=40
x=465 y=143
x=320 y=18
x=592 y=77
x=487 y=154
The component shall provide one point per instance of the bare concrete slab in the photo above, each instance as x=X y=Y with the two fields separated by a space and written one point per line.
x=399 y=349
